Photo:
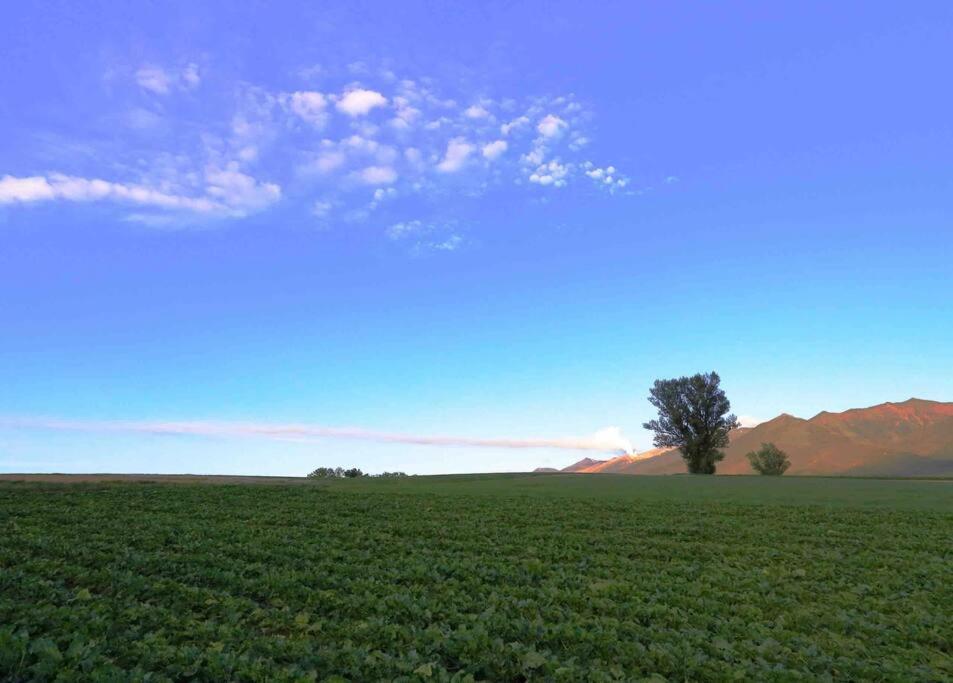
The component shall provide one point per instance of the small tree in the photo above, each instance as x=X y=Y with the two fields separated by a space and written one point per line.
x=693 y=417
x=353 y=473
x=322 y=473
x=769 y=460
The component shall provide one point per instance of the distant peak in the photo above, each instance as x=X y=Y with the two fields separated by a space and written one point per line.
x=911 y=409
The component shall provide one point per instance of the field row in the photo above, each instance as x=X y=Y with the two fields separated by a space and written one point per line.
x=301 y=583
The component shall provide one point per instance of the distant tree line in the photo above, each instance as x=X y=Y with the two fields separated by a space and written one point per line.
x=350 y=473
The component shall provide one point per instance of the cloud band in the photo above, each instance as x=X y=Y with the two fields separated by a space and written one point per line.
x=608 y=440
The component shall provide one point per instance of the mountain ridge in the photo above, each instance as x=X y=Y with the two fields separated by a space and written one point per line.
x=909 y=438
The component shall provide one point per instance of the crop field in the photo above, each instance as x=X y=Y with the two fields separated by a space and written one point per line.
x=478 y=578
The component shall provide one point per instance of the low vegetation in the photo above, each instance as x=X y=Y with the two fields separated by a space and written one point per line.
x=485 y=577
x=350 y=473
x=769 y=460
x=335 y=473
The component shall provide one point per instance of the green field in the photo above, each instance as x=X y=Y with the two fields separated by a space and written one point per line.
x=484 y=577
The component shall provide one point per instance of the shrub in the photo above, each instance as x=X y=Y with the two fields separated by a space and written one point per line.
x=769 y=460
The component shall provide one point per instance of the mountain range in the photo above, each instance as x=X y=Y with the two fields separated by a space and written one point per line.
x=912 y=438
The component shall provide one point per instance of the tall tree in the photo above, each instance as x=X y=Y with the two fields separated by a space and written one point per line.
x=693 y=416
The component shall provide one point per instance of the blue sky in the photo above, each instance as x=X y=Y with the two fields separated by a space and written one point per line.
x=225 y=231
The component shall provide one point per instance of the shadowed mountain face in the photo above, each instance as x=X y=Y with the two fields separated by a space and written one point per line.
x=913 y=438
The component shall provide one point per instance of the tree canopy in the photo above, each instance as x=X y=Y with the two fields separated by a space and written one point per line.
x=769 y=459
x=693 y=416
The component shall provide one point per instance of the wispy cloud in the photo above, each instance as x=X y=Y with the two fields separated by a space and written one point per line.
x=608 y=440
x=162 y=81
x=227 y=192
x=154 y=79
x=328 y=144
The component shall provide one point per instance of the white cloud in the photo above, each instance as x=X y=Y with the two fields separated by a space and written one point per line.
x=162 y=81
x=749 y=420
x=436 y=123
x=406 y=114
x=404 y=229
x=422 y=237
x=329 y=161
x=553 y=173
x=238 y=190
x=381 y=194
x=32 y=189
x=516 y=123
x=154 y=79
x=535 y=156
x=365 y=128
x=476 y=112
x=577 y=142
x=611 y=439
x=359 y=102
x=458 y=150
x=355 y=150
x=72 y=188
x=607 y=177
x=452 y=243
x=551 y=126
x=413 y=146
x=228 y=192
x=356 y=144
x=494 y=149
x=310 y=106
x=378 y=175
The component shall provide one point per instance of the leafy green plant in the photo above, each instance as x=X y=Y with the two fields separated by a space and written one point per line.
x=769 y=460
x=483 y=578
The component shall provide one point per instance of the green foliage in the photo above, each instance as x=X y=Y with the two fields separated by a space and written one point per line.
x=483 y=578
x=769 y=460
x=326 y=473
x=693 y=417
x=335 y=473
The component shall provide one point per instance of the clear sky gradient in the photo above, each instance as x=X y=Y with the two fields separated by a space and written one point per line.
x=482 y=221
